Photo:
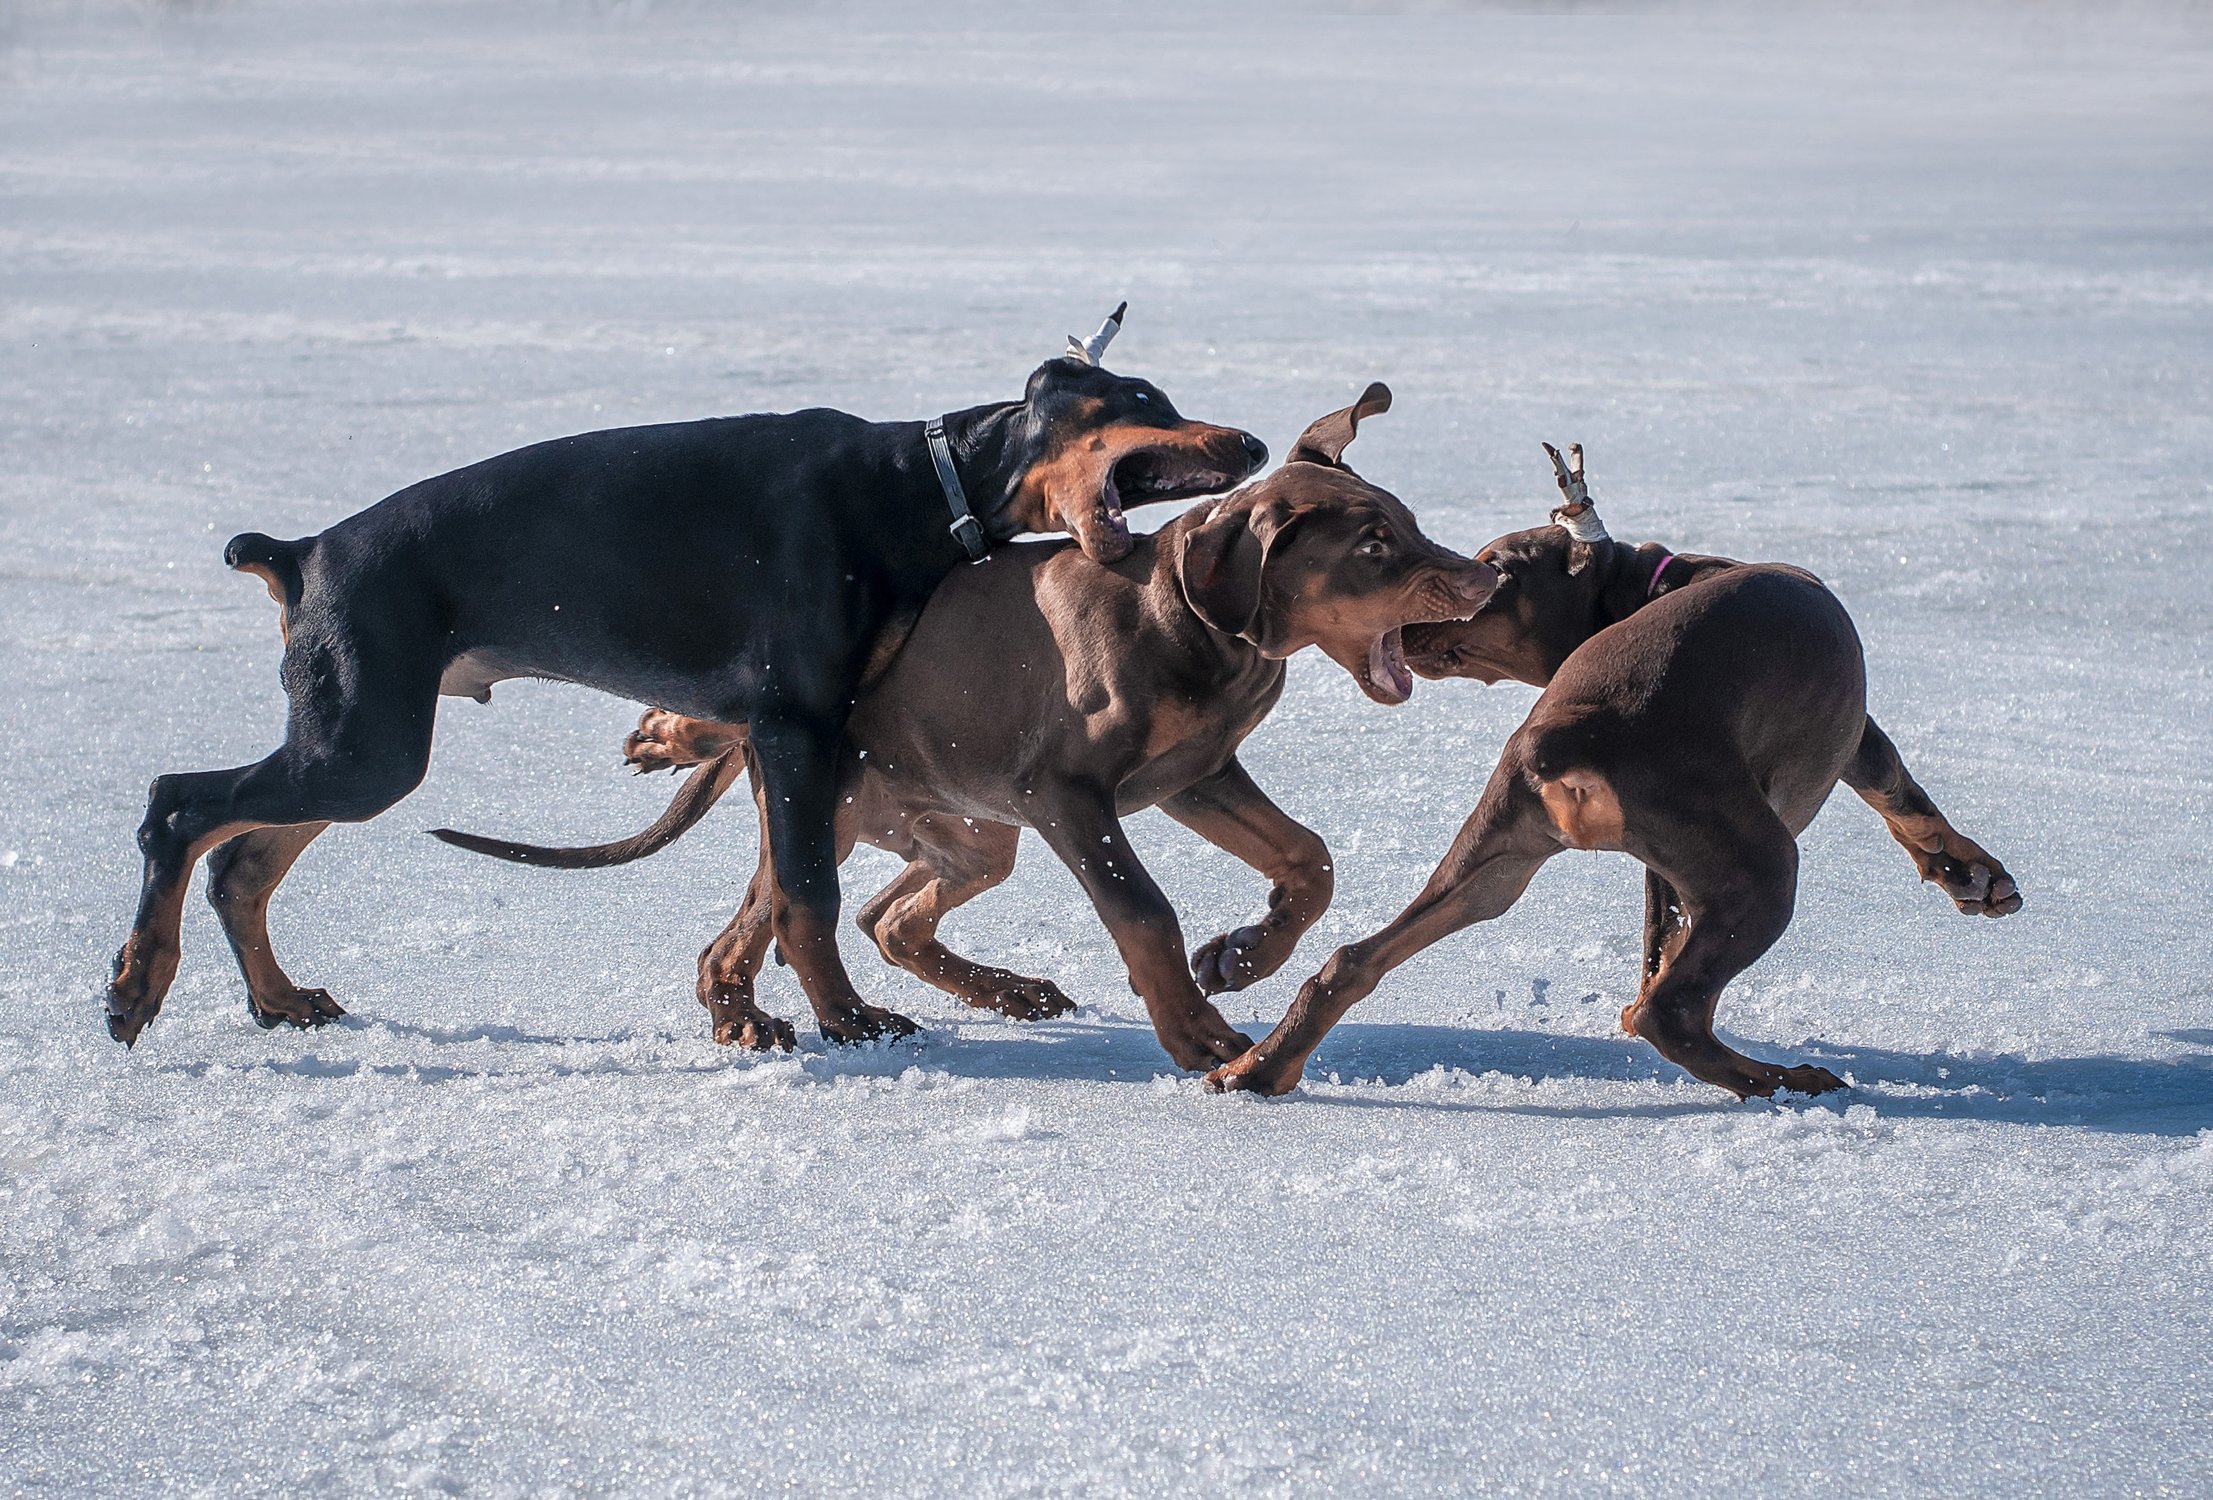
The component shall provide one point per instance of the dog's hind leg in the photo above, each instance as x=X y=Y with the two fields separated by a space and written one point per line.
x=731 y=964
x=358 y=741
x=241 y=876
x=956 y=861
x=1947 y=858
x=1735 y=869
x=1501 y=846
x=1663 y=925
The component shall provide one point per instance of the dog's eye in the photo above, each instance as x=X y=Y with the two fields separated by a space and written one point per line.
x=1374 y=546
x=1143 y=397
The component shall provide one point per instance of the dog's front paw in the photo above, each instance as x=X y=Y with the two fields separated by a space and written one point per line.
x=1252 y=1072
x=739 y=1022
x=1202 y=1039
x=136 y=985
x=1225 y=963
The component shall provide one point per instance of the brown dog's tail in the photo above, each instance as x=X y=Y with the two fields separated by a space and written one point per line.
x=700 y=791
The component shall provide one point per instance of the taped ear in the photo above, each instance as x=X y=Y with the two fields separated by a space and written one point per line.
x=1218 y=565
x=1325 y=441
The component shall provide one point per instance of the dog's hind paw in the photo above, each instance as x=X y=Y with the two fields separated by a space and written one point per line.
x=1968 y=873
x=758 y=1032
x=1019 y=998
x=865 y=1023
x=665 y=741
x=303 y=1008
x=1808 y=1078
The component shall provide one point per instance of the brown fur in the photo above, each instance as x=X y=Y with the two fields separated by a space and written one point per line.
x=1696 y=714
x=1110 y=689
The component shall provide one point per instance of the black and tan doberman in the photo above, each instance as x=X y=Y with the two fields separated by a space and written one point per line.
x=1696 y=714
x=752 y=568
x=1043 y=691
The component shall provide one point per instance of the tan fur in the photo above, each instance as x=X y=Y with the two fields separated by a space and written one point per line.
x=268 y=576
x=1584 y=810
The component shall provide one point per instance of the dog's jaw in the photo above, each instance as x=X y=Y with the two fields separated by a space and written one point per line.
x=1383 y=676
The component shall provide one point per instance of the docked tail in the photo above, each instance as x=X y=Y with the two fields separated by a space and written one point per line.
x=275 y=563
x=701 y=790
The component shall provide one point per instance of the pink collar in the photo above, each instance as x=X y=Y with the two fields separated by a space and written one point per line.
x=1652 y=589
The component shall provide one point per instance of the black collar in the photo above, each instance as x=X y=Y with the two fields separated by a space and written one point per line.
x=965 y=527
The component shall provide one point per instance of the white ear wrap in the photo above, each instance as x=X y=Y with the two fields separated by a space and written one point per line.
x=1092 y=349
x=1583 y=524
x=1577 y=514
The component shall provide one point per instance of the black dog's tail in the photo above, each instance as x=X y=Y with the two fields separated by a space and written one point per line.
x=700 y=791
x=275 y=563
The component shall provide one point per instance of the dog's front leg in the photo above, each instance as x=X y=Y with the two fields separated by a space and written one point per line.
x=797 y=760
x=1232 y=813
x=1080 y=826
x=1490 y=863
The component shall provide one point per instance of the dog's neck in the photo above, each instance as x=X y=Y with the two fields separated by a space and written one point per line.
x=1215 y=654
x=1628 y=578
x=991 y=445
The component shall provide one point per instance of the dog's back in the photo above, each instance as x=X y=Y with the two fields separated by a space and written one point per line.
x=1086 y=669
x=1750 y=669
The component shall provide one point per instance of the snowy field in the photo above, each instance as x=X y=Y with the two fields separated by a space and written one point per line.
x=1924 y=305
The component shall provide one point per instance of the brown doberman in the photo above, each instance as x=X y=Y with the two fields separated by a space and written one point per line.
x=1110 y=689
x=747 y=568
x=1696 y=714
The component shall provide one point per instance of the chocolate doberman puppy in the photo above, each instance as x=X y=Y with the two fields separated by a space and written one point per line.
x=1696 y=714
x=1109 y=690
x=749 y=568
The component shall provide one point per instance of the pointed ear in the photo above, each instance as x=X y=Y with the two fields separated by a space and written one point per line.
x=1218 y=565
x=1326 y=440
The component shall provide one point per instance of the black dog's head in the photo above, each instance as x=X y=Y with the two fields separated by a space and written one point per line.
x=1088 y=443
x=1558 y=586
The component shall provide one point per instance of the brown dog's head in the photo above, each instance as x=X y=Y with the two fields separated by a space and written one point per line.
x=1314 y=555
x=1558 y=586
x=1086 y=444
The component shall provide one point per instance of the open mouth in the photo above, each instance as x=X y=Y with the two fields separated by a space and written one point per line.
x=1384 y=674
x=1419 y=648
x=1145 y=476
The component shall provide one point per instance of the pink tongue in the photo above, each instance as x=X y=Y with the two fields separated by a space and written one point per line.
x=1387 y=666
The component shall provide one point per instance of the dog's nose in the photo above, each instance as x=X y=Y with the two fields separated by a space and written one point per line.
x=1478 y=581
x=1256 y=452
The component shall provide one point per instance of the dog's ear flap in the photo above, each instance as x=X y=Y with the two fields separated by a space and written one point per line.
x=1218 y=565
x=1325 y=441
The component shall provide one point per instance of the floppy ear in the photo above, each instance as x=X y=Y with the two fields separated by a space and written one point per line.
x=1323 y=442
x=1218 y=565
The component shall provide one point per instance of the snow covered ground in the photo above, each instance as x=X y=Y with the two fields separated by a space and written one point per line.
x=1926 y=305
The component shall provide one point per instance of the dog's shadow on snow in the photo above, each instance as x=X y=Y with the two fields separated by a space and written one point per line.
x=2128 y=1095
